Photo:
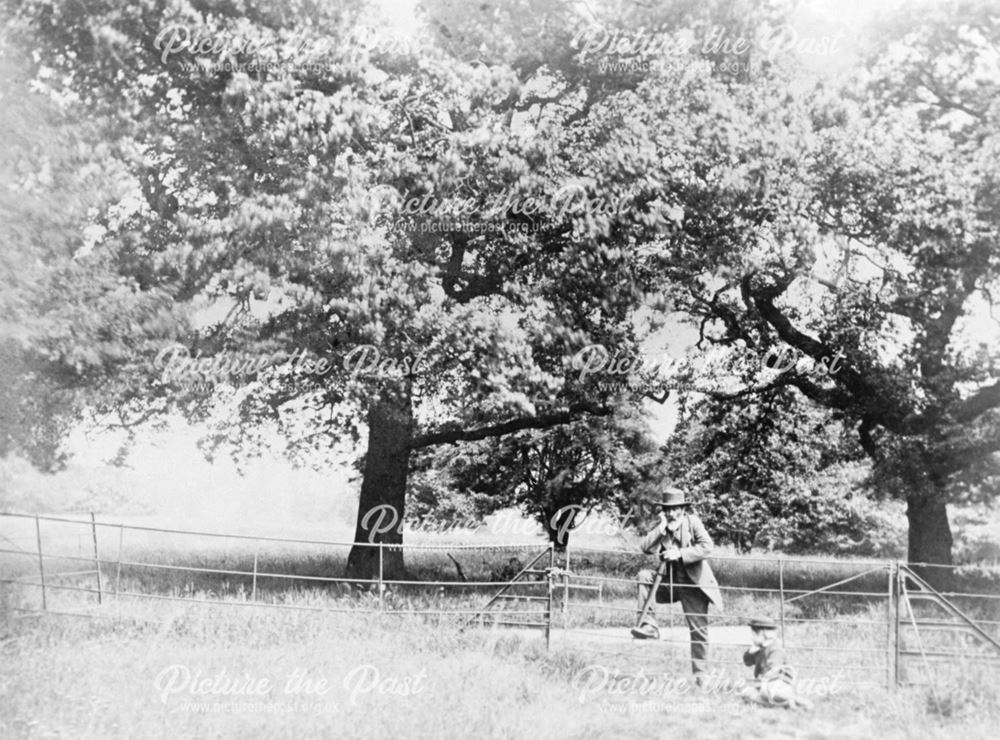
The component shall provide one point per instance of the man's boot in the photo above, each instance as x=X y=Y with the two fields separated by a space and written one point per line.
x=646 y=631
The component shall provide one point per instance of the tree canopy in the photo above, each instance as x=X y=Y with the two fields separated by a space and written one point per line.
x=446 y=219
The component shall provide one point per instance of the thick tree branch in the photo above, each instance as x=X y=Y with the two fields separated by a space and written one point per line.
x=763 y=300
x=541 y=421
x=978 y=403
x=939 y=330
x=852 y=389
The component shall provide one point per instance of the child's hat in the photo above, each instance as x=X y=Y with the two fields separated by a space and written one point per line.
x=763 y=623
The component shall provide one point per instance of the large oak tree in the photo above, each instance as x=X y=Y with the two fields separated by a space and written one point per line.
x=878 y=245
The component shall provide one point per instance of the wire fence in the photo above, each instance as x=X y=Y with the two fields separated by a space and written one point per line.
x=875 y=621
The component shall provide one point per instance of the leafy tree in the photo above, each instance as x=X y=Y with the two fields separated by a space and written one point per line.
x=254 y=198
x=877 y=245
x=558 y=476
x=837 y=514
x=754 y=463
x=63 y=314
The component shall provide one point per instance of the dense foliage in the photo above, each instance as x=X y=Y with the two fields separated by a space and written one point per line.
x=474 y=204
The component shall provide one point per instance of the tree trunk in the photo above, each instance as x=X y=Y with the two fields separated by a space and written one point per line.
x=559 y=523
x=929 y=539
x=557 y=528
x=383 y=488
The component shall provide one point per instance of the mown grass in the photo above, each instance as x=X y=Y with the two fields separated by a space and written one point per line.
x=96 y=677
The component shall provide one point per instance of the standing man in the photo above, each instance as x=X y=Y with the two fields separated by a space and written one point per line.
x=683 y=545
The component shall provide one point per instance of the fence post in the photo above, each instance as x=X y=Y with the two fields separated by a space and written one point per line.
x=41 y=566
x=381 y=600
x=548 y=604
x=97 y=558
x=897 y=594
x=890 y=678
x=565 y=601
x=781 y=596
x=253 y=588
x=118 y=569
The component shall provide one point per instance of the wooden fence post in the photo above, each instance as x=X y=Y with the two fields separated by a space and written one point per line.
x=118 y=569
x=41 y=565
x=781 y=596
x=548 y=605
x=889 y=662
x=897 y=597
x=565 y=602
x=97 y=557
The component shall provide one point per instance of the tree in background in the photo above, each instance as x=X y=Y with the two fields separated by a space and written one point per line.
x=775 y=473
x=63 y=313
x=876 y=245
x=558 y=476
x=938 y=77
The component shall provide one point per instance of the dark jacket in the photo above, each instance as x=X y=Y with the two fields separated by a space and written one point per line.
x=769 y=662
x=695 y=547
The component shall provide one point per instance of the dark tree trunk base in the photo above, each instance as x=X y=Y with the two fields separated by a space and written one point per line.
x=929 y=539
x=381 y=507
x=559 y=523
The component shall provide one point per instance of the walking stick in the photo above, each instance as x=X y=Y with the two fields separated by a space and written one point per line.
x=657 y=579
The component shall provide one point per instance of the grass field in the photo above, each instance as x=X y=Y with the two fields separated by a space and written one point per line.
x=201 y=661
x=385 y=677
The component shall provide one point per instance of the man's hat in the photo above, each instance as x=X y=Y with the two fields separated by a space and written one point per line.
x=672 y=497
x=763 y=623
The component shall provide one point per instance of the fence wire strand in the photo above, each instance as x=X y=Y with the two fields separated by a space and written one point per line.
x=499 y=615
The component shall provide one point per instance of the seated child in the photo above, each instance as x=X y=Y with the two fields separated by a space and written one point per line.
x=773 y=677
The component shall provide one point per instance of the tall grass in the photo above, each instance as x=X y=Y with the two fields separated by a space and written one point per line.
x=76 y=677
x=95 y=676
